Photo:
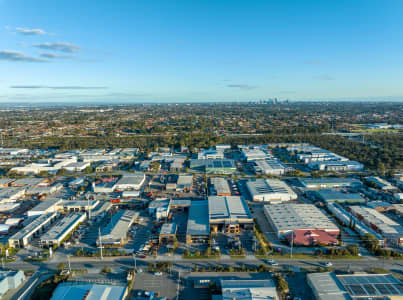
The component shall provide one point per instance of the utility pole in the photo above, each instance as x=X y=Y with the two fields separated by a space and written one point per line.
x=292 y=242
x=100 y=241
x=68 y=261
x=89 y=208
x=177 y=288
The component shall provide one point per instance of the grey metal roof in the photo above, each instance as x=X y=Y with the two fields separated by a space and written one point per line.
x=330 y=180
x=198 y=220
x=168 y=228
x=228 y=207
x=220 y=185
x=334 y=195
x=31 y=227
x=119 y=225
x=135 y=179
x=268 y=186
x=185 y=180
x=249 y=290
x=63 y=225
x=297 y=216
x=45 y=204
x=28 y=181
x=326 y=287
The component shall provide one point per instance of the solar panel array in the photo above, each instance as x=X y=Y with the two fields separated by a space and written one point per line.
x=372 y=285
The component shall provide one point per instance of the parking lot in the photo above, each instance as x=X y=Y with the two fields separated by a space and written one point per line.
x=164 y=285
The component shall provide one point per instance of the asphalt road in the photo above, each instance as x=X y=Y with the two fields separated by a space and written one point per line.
x=122 y=263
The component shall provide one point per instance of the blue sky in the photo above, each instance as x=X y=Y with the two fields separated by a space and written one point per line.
x=183 y=51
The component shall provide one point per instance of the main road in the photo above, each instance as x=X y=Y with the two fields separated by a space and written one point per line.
x=185 y=265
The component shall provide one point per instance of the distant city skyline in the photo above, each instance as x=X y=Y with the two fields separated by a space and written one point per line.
x=200 y=51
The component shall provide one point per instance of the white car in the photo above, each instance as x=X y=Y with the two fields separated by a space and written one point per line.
x=328 y=264
x=158 y=273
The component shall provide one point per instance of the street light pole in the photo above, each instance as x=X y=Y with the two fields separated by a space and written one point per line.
x=100 y=241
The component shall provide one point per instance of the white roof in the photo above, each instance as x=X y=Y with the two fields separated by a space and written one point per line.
x=248 y=290
x=290 y=216
x=268 y=186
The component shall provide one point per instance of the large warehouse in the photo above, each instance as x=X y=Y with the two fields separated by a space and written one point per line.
x=330 y=196
x=61 y=229
x=198 y=223
x=329 y=182
x=287 y=218
x=220 y=186
x=388 y=228
x=270 y=190
x=229 y=214
x=326 y=286
x=114 y=234
x=270 y=167
x=214 y=166
x=131 y=182
x=39 y=225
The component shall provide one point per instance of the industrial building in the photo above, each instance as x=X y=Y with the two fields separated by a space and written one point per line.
x=184 y=183
x=286 y=218
x=337 y=166
x=346 y=219
x=210 y=154
x=105 y=185
x=249 y=289
x=270 y=190
x=29 y=181
x=6 y=182
x=57 y=205
x=44 y=207
x=229 y=214
x=329 y=183
x=220 y=186
x=89 y=291
x=77 y=166
x=270 y=167
x=380 y=183
x=115 y=232
x=11 y=194
x=389 y=229
x=9 y=207
x=159 y=208
x=252 y=154
x=131 y=182
x=76 y=205
x=329 y=196
x=49 y=166
x=44 y=190
x=328 y=286
x=214 y=166
x=223 y=147
x=39 y=225
x=10 y=280
x=58 y=232
x=198 y=223
x=167 y=233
